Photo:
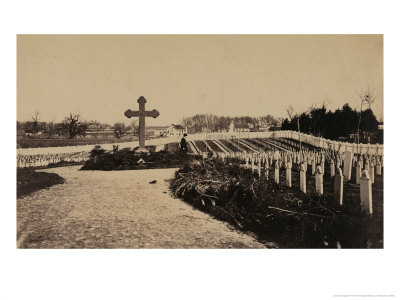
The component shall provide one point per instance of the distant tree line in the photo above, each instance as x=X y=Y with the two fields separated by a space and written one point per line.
x=73 y=126
x=213 y=123
x=333 y=125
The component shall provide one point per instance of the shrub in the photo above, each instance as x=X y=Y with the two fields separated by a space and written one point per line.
x=97 y=150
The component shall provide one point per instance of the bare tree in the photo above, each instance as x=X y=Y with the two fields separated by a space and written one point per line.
x=187 y=123
x=366 y=99
x=35 y=122
x=73 y=126
x=134 y=126
x=51 y=127
x=120 y=130
x=289 y=110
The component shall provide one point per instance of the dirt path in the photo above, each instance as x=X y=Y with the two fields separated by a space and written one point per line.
x=118 y=209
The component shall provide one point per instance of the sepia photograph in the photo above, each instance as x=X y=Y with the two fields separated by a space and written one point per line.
x=199 y=150
x=210 y=141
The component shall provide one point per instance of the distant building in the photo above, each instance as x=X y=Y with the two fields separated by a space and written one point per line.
x=175 y=130
x=164 y=130
x=264 y=128
x=157 y=130
x=242 y=128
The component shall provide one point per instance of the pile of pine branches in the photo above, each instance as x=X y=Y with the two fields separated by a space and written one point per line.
x=273 y=211
x=128 y=159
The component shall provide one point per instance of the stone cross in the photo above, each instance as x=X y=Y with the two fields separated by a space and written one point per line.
x=142 y=114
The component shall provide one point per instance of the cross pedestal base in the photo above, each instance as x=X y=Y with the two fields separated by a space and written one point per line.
x=142 y=150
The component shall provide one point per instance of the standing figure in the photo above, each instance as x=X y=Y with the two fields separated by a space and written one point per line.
x=184 y=148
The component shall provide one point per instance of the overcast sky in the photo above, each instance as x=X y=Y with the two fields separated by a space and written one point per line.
x=100 y=76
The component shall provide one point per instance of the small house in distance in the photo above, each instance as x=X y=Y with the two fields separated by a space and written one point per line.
x=158 y=131
x=175 y=130
x=242 y=128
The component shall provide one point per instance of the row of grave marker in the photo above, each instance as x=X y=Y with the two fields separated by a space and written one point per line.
x=294 y=135
x=365 y=172
x=26 y=161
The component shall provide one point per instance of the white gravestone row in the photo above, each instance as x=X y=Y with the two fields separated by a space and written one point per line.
x=261 y=164
x=41 y=160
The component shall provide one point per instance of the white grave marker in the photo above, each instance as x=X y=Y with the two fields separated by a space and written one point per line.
x=372 y=173
x=332 y=165
x=289 y=174
x=338 y=186
x=348 y=157
x=276 y=172
x=319 y=179
x=366 y=192
x=358 y=172
x=303 y=181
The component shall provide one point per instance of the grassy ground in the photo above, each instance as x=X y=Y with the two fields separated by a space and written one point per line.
x=29 y=180
x=62 y=142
